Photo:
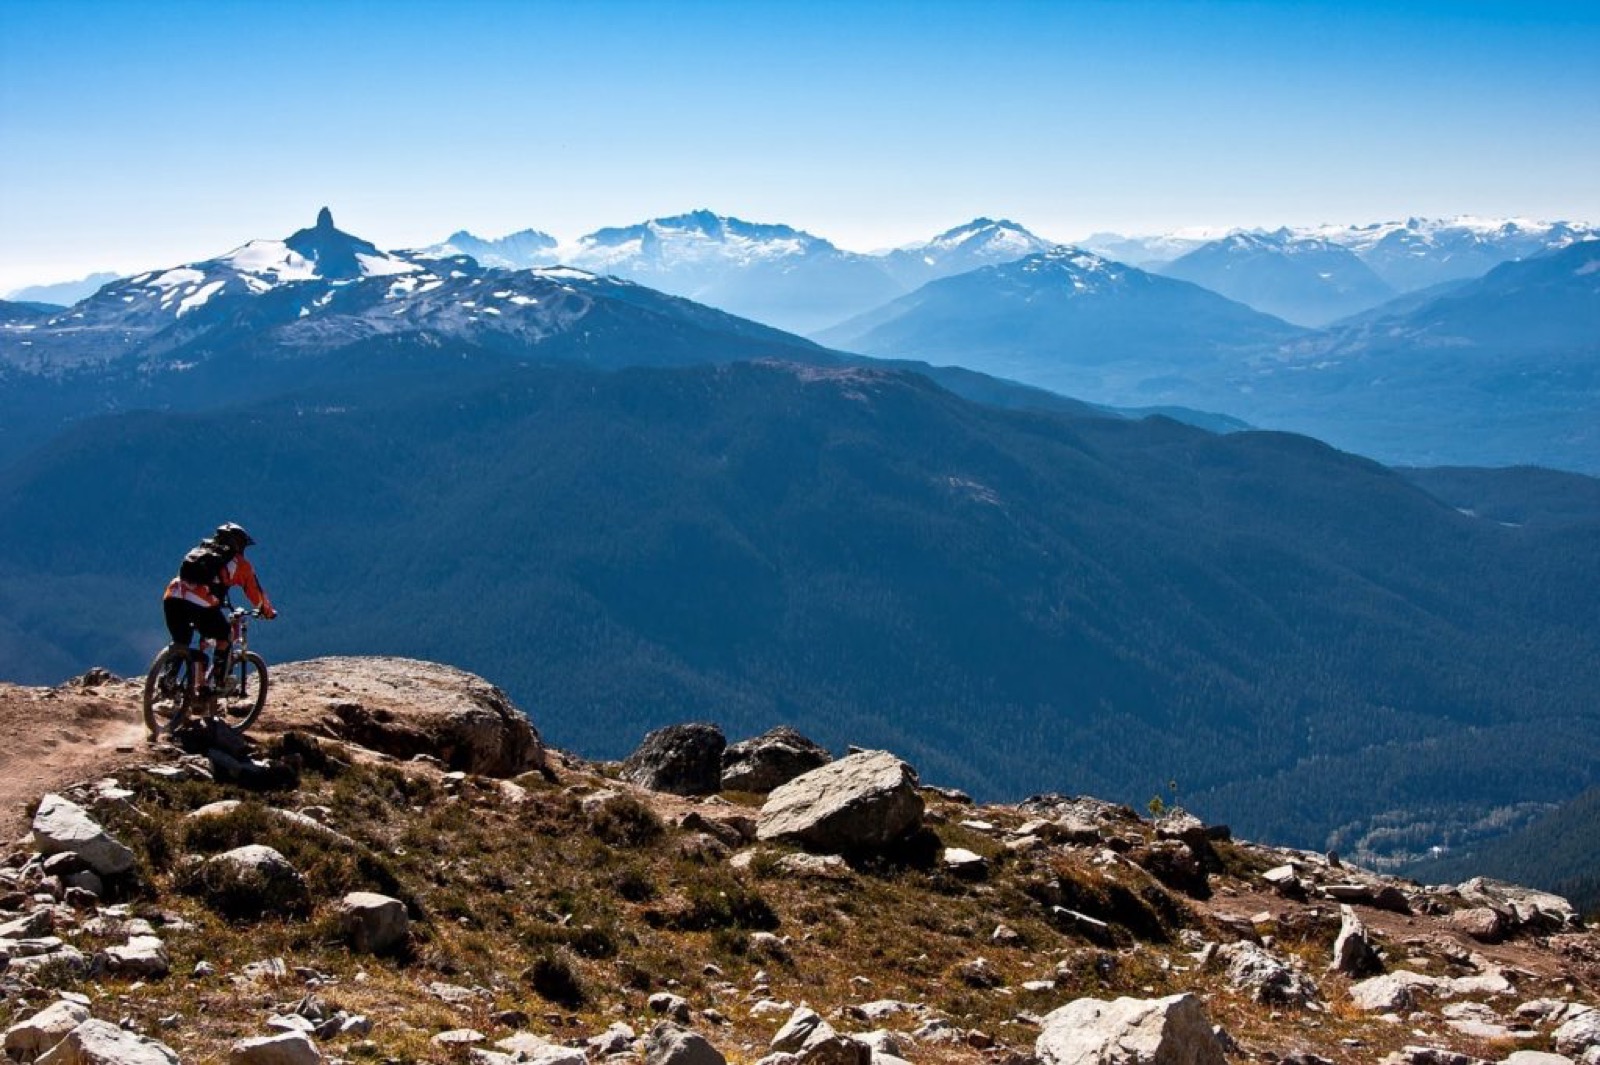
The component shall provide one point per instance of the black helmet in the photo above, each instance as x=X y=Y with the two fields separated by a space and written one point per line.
x=233 y=535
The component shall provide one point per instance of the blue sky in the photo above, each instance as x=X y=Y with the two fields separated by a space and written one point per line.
x=135 y=135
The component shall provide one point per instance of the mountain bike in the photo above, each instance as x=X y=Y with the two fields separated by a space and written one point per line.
x=172 y=687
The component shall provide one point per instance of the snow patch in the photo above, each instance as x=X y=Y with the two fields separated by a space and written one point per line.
x=384 y=266
x=199 y=297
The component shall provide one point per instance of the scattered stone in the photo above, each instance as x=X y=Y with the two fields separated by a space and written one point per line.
x=451 y=993
x=291 y=1022
x=1536 y=1057
x=1269 y=979
x=28 y=1039
x=102 y=1043
x=1481 y=923
x=770 y=760
x=458 y=1037
x=373 y=923
x=674 y=1006
x=800 y=1026
x=1397 y=992
x=63 y=826
x=1005 y=936
x=267 y=969
x=617 y=1039
x=1579 y=1035
x=884 y=1008
x=1167 y=1031
x=978 y=973
x=142 y=956
x=966 y=864
x=815 y=867
x=283 y=1048
x=1353 y=952
x=668 y=1044
x=865 y=801
x=679 y=759
x=834 y=1049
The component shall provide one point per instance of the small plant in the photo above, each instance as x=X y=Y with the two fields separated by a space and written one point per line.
x=554 y=977
x=624 y=821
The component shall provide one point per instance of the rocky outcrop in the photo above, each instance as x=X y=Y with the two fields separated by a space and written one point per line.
x=1269 y=979
x=1129 y=1031
x=406 y=708
x=770 y=760
x=679 y=760
x=868 y=800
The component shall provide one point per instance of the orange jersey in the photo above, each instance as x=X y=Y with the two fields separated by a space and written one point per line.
x=198 y=594
x=241 y=574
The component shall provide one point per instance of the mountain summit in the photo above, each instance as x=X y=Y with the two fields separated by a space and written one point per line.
x=335 y=252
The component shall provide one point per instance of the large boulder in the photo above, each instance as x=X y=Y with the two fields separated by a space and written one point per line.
x=27 y=1039
x=373 y=923
x=770 y=760
x=406 y=708
x=865 y=801
x=1129 y=1031
x=251 y=881
x=63 y=827
x=679 y=760
x=102 y=1043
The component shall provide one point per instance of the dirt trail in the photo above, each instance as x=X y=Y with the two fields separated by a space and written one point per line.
x=50 y=737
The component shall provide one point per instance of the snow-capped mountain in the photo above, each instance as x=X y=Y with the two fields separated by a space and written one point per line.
x=515 y=251
x=1407 y=255
x=771 y=273
x=1420 y=252
x=255 y=320
x=1303 y=280
x=1070 y=320
x=981 y=242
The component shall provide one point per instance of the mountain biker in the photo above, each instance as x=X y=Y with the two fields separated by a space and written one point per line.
x=194 y=599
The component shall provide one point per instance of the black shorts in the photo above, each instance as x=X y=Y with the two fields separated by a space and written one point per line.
x=184 y=619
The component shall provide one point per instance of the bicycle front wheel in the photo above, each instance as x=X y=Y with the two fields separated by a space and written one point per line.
x=239 y=702
x=166 y=691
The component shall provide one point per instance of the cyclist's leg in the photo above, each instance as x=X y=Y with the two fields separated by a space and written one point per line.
x=213 y=629
x=179 y=617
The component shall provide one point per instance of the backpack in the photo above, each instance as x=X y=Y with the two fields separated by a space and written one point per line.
x=204 y=563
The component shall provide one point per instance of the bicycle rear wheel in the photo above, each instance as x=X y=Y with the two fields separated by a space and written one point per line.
x=166 y=691
x=240 y=700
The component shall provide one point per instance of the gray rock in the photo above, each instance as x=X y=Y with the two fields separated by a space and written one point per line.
x=964 y=863
x=1129 y=1031
x=1397 y=992
x=865 y=801
x=252 y=881
x=815 y=867
x=102 y=1043
x=1353 y=952
x=458 y=1037
x=141 y=956
x=283 y=1048
x=668 y=1044
x=797 y=1029
x=1580 y=1034
x=1269 y=979
x=373 y=923
x=679 y=759
x=835 y=1049
x=28 y=1039
x=1481 y=923
x=770 y=760
x=1527 y=908
x=617 y=1039
x=674 y=1006
x=1536 y=1057
x=62 y=826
